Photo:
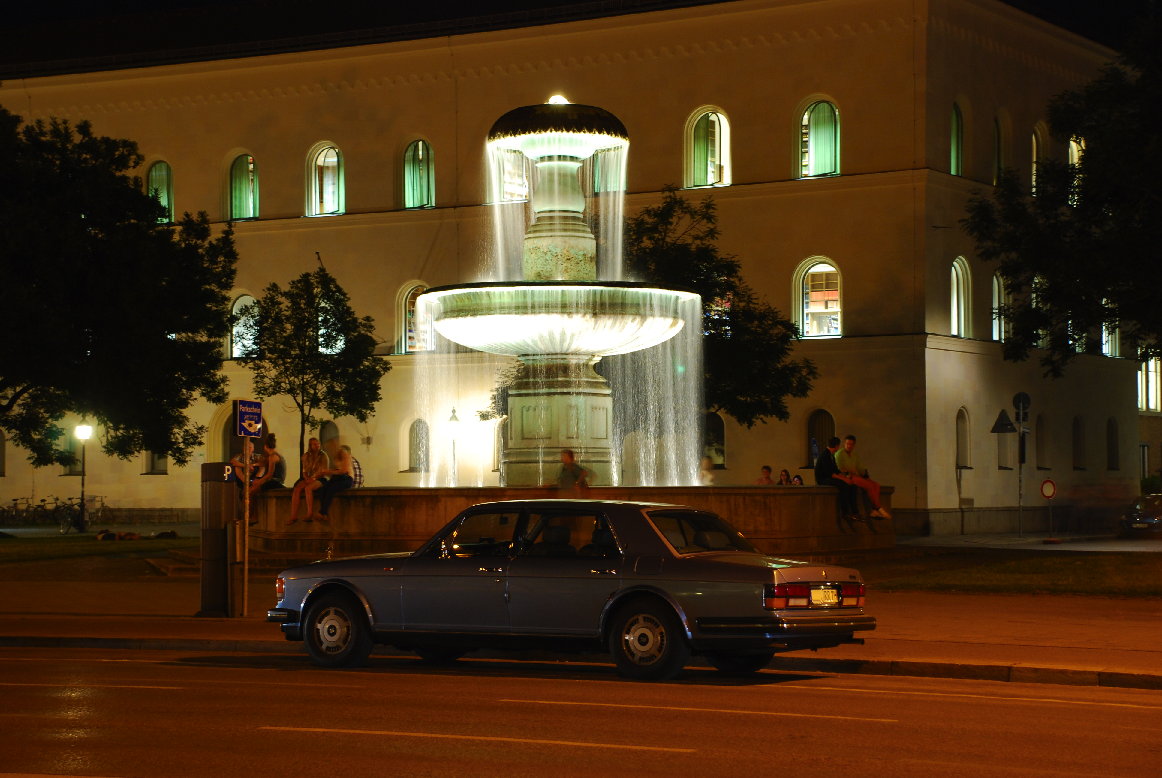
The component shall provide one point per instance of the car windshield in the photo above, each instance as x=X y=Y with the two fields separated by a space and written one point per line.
x=1152 y=504
x=692 y=532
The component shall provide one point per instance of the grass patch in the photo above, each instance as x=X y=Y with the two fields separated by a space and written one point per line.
x=1013 y=571
x=17 y=548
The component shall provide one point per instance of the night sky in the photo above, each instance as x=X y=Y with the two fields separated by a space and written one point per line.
x=35 y=32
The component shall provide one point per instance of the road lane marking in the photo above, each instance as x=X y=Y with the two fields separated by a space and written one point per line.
x=93 y=686
x=701 y=710
x=966 y=695
x=442 y=736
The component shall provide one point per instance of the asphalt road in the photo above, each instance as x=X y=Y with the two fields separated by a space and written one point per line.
x=150 y=713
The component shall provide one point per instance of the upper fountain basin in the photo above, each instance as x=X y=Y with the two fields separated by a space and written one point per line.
x=562 y=318
x=558 y=130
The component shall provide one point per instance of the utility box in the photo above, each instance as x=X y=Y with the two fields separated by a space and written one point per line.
x=222 y=585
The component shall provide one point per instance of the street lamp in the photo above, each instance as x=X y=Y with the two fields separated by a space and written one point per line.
x=83 y=432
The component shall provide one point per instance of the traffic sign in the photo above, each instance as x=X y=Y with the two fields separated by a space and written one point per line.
x=249 y=416
x=1048 y=489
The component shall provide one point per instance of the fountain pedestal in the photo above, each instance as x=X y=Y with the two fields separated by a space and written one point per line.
x=560 y=403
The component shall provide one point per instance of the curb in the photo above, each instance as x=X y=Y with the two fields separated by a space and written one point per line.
x=1015 y=673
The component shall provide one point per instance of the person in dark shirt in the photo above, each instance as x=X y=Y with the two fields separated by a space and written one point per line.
x=825 y=475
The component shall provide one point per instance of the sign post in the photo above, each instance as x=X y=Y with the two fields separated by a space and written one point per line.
x=1021 y=412
x=1048 y=491
x=248 y=414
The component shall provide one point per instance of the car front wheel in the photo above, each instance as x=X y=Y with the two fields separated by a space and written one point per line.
x=336 y=632
x=647 y=641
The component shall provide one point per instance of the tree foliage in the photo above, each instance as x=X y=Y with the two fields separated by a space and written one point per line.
x=108 y=313
x=749 y=372
x=1080 y=253
x=306 y=342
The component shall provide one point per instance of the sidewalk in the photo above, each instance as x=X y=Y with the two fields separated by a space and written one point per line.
x=1029 y=639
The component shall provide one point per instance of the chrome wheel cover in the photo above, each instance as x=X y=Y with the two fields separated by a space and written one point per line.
x=333 y=630
x=644 y=639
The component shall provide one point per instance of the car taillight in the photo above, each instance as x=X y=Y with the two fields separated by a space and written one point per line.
x=853 y=595
x=279 y=587
x=798 y=595
x=779 y=596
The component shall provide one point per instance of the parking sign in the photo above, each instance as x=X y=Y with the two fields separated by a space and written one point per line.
x=249 y=415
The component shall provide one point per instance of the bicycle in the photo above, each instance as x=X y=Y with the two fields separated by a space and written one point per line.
x=69 y=515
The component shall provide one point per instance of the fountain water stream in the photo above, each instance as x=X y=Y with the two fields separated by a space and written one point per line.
x=560 y=321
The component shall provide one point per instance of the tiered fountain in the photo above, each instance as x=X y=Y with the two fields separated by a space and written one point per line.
x=559 y=320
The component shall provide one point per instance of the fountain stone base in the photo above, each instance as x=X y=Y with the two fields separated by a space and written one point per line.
x=560 y=403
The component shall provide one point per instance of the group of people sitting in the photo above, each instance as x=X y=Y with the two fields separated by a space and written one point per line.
x=321 y=479
x=842 y=468
x=785 y=478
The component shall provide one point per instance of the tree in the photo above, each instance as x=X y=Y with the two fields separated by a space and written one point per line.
x=306 y=342
x=109 y=314
x=748 y=343
x=1079 y=253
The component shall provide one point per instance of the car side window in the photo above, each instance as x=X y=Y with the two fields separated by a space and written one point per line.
x=479 y=534
x=553 y=534
x=693 y=532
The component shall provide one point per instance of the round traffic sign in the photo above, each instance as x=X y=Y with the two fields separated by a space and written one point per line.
x=1048 y=488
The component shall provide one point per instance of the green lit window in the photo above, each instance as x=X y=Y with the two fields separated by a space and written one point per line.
x=819 y=141
x=960 y=299
x=326 y=181
x=244 y=188
x=159 y=183
x=956 y=156
x=708 y=142
x=419 y=176
x=240 y=341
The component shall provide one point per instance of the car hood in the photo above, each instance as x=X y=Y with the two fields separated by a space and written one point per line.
x=354 y=565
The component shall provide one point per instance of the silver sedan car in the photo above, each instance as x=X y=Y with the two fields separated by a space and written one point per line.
x=649 y=582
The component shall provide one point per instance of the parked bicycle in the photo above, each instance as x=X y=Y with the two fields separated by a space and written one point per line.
x=69 y=515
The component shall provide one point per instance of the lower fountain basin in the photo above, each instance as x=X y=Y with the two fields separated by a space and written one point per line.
x=555 y=318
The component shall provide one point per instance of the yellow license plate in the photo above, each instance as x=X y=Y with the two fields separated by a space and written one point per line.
x=824 y=597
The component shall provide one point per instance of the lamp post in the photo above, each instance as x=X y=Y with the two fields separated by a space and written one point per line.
x=83 y=432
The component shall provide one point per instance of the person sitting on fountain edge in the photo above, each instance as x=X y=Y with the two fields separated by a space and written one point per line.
x=573 y=477
x=826 y=472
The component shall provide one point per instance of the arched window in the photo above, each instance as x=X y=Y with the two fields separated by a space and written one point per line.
x=244 y=188
x=1111 y=338
x=819 y=305
x=419 y=176
x=1113 y=455
x=820 y=429
x=714 y=440
x=708 y=150
x=961 y=300
x=418 y=441
x=325 y=181
x=963 y=449
x=1000 y=304
x=1078 y=443
x=1149 y=390
x=819 y=141
x=956 y=143
x=417 y=329
x=240 y=341
x=159 y=183
x=1041 y=447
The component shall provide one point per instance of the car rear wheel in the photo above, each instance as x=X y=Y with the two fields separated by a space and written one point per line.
x=336 y=632
x=647 y=641
x=734 y=663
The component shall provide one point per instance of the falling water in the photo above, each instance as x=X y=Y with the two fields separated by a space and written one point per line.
x=657 y=392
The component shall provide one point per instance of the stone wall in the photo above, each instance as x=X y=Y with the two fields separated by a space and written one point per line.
x=789 y=520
